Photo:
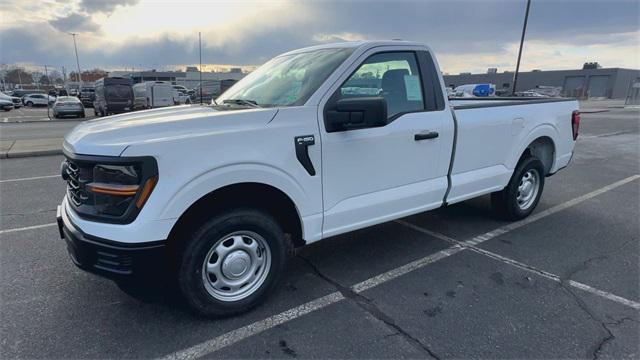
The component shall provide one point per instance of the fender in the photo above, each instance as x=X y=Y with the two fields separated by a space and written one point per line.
x=542 y=130
x=237 y=173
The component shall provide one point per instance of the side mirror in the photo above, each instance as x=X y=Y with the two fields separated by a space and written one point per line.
x=358 y=112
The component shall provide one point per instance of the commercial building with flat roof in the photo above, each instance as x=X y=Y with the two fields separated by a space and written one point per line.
x=189 y=79
x=612 y=83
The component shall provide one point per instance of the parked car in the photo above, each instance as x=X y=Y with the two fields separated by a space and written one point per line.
x=17 y=102
x=113 y=95
x=181 y=97
x=210 y=90
x=68 y=106
x=153 y=94
x=475 y=90
x=38 y=99
x=6 y=105
x=87 y=96
x=21 y=92
x=297 y=151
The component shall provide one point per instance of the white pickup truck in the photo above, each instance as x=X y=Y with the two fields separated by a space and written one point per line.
x=316 y=142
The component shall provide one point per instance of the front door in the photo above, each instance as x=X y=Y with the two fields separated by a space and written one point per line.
x=371 y=175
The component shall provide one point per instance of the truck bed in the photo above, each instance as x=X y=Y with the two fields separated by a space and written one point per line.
x=471 y=103
x=491 y=133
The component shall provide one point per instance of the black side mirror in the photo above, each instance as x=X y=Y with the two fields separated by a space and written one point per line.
x=357 y=112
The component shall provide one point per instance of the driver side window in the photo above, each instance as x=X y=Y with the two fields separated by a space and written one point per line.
x=391 y=75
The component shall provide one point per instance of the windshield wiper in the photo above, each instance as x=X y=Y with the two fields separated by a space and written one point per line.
x=251 y=103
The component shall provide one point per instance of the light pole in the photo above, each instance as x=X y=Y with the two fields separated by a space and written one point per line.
x=77 y=61
x=46 y=74
x=200 y=51
x=524 y=29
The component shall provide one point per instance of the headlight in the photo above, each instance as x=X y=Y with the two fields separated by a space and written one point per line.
x=114 y=191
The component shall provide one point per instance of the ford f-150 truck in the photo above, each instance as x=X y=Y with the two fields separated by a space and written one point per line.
x=316 y=142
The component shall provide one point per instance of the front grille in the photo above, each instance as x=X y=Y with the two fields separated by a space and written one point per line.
x=78 y=175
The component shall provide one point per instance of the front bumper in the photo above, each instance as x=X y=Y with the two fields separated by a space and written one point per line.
x=108 y=258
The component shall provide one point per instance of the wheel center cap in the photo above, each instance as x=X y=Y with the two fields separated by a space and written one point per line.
x=236 y=264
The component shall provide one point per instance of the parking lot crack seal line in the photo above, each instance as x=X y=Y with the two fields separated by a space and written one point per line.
x=585 y=264
x=535 y=217
x=371 y=308
x=506 y=260
x=581 y=304
x=255 y=328
x=565 y=284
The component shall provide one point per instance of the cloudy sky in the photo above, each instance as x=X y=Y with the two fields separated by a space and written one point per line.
x=467 y=35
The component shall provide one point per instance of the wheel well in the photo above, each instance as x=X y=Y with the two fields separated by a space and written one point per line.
x=255 y=195
x=542 y=148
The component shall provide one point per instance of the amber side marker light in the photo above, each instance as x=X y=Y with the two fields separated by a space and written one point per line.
x=113 y=189
x=146 y=191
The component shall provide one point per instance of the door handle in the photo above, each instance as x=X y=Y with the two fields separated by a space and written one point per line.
x=426 y=135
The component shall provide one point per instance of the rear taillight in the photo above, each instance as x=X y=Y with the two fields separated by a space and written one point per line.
x=575 y=124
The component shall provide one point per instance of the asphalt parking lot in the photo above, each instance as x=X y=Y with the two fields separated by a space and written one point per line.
x=451 y=283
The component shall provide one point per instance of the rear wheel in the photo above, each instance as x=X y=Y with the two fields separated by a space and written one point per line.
x=521 y=196
x=232 y=262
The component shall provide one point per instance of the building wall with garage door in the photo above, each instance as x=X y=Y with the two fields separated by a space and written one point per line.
x=610 y=83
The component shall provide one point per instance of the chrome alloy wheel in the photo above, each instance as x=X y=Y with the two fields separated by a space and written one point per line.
x=528 y=189
x=236 y=266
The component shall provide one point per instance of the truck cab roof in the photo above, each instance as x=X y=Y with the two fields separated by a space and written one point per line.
x=365 y=44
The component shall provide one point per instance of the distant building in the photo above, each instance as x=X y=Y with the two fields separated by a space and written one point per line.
x=593 y=82
x=492 y=70
x=189 y=78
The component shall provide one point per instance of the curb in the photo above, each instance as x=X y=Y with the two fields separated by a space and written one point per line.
x=24 y=154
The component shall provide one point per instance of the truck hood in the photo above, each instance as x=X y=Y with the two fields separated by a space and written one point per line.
x=111 y=136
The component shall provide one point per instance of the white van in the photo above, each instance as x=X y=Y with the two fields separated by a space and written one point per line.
x=152 y=94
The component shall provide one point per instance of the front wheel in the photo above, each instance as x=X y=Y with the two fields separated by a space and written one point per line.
x=29 y=104
x=232 y=262
x=521 y=196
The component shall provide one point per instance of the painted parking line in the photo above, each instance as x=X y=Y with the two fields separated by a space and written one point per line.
x=523 y=266
x=258 y=327
x=8 y=231
x=31 y=178
x=518 y=224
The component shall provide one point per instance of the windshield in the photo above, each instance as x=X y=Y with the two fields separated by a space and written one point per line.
x=287 y=80
x=117 y=92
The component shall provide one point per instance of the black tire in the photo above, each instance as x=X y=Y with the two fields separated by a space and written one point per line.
x=29 y=104
x=505 y=203
x=202 y=240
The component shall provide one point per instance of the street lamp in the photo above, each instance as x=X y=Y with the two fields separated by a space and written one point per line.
x=77 y=61
x=524 y=29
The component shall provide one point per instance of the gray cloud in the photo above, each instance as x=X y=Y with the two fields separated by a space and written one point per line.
x=75 y=22
x=453 y=27
x=104 y=6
